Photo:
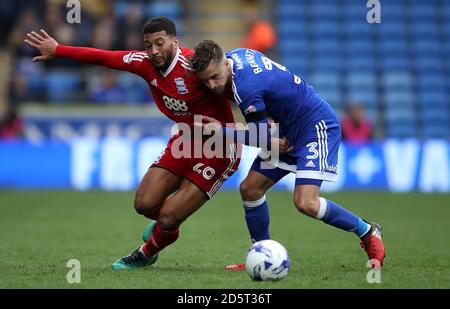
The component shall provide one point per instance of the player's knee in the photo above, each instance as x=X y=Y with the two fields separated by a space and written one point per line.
x=142 y=205
x=139 y=205
x=306 y=205
x=250 y=192
x=168 y=221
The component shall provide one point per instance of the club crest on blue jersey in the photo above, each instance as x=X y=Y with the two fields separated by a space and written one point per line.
x=250 y=109
x=181 y=86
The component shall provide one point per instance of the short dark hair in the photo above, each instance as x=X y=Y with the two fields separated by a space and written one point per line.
x=205 y=52
x=160 y=24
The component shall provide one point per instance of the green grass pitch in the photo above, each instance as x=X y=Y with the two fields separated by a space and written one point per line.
x=41 y=230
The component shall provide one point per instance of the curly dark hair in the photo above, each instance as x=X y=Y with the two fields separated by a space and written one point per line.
x=160 y=24
x=205 y=52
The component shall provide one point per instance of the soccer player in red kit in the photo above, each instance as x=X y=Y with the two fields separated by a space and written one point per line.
x=172 y=189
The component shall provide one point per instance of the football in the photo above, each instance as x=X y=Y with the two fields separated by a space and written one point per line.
x=267 y=260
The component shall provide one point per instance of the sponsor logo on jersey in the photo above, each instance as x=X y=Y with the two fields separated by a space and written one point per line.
x=238 y=60
x=310 y=164
x=154 y=82
x=178 y=107
x=134 y=56
x=181 y=86
x=331 y=168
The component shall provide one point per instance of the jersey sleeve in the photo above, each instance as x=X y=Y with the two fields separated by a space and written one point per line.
x=130 y=61
x=250 y=100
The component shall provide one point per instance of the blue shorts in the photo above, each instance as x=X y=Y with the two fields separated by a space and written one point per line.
x=314 y=160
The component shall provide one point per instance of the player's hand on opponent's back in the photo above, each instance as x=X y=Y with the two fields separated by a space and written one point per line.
x=283 y=144
x=209 y=125
x=42 y=42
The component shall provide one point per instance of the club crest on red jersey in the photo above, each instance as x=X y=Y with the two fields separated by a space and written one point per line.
x=181 y=86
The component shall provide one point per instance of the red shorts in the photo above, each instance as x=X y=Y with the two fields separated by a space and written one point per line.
x=206 y=173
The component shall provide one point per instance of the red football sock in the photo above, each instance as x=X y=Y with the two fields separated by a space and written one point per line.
x=159 y=240
x=153 y=215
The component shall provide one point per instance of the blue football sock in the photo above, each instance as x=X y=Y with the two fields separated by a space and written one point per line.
x=363 y=228
x=258 y=218
x=337 y=216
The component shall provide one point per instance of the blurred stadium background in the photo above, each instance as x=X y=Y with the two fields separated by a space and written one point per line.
x=84 y=127
x=397 y=70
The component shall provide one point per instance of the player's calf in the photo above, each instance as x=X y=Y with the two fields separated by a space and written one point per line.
x=250 y=191
x=168 y=221
x=307 y=205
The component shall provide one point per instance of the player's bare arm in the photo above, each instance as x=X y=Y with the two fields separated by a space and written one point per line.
x=210 y=125
x=42 y=42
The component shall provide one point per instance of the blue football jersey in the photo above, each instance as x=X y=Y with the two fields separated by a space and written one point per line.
x=259 y=83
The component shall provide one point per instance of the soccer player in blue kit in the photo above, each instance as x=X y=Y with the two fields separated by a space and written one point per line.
x=264 y=89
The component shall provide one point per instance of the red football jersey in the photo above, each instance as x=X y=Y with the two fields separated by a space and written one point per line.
x=178 y=93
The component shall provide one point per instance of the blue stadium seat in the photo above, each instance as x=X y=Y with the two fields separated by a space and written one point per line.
x=169 y=8
x=325 y=29
x=62 y=86
x=400 y=123
x=423 y=10
x=446 y=26
x=360 y=80
x=328 y=86
x=359 y=47
x=332 y=96
x=325 y=80
x=445 y=8
x=326 y=47
x=354 y=9
x=397 y=80
x=373 y=113
x=431 y=81
x=391 y=62
x=401 y=129
x=328 y=63
x=427 y=46
x=390 y=28
x=289 y=29
x=296 y=63
x=292 y=47
x=430 y=63
x=368 y=98
x=357 y=28
x=426 y=29
x=361 y=63
x=398 y=99
x=290 y=10
x=432 y=116
x=400 y=114
x=392 y=46
x=136 y=89
x=436 y=99
x=434 y=121
x=120 y=8
x=446 y=46
x=392 y=10
x=436 y=131
x=324 y=10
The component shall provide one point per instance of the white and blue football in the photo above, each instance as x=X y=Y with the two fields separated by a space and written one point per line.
x=267 y=260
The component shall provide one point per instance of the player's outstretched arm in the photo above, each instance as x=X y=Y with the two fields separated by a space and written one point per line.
x=130 y=61
x=42 y=42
